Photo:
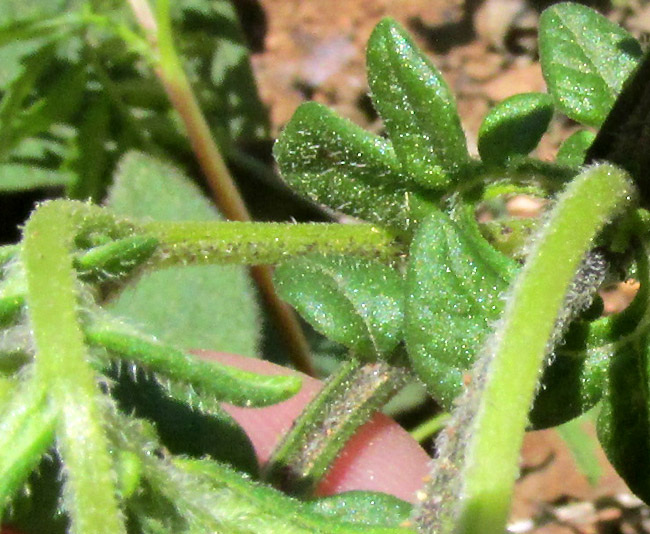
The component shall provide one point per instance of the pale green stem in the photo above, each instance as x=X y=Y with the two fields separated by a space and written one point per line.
x=522 y=343
x=62 y=365
x=430 y=427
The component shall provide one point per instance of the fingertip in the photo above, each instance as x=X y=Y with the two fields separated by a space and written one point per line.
x=381 y=456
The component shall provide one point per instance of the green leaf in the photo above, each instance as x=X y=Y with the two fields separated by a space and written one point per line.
x=622 y=137
x=27 y=26
x=583 y=447
x=337 y=163
x=454 y=286
x=27 y=423
x=19 y=177
x=219 y=381
x=514 y=127
x=585 y=60
x=90 y=161
x=58 y=101
x=417 y=107
x=188 y=423
x=573 y=150
x=218 y=60
x=623 y=428
x=365 y=507
x=209 y=307
x=358 y=303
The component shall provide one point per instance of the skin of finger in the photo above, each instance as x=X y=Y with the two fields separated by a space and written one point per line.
x=381 y=456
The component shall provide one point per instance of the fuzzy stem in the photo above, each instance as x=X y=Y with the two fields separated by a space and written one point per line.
x=62 y=365
x=522 y=343
x=171 y=74
x=263 y=243
x=474 y=475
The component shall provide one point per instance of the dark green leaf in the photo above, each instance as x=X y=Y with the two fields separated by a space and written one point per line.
x=573 y=150
x=577 y=376
x=417 y=107
x=214 y=45
x=91 y=161
x=585 y=60
x=358 y=303
x=623 y=427
x=454 y=284
x=196 y=427
x=514 y=127
x=199 y=306
x=339 y=164
x=622 y=138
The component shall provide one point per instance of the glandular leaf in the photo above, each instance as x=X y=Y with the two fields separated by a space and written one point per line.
x=417 y=107
x=453 y=284
x=358 y=303
x=335 y=162
x=585 y=60
x=514 y=127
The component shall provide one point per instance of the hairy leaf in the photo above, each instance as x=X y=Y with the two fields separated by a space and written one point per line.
x=358 y=303
x=366 y=507
x=223 y=382
x=585 y=60
x=453 y=285
x=417 y=107
x=514 y=127
x=336 y=163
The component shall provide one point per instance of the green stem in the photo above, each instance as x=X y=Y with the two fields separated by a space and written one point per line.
x=62 y=365
x=492 y=419
x=316 y=438
x=263 y=243
x=430 y=427
x=522 y=342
